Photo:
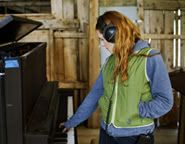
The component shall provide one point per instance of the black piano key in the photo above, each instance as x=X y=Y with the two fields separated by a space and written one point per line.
x=60 y=137
x=60 y=143
x=60 y=140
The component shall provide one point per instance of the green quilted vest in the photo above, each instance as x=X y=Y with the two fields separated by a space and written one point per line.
x=124 y=112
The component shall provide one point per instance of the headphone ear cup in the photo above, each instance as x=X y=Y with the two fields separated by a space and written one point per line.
x=109 y=33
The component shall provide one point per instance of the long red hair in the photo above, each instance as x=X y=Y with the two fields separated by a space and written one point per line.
x=127 y=33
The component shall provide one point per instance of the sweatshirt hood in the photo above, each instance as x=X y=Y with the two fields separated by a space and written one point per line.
x=140 y=44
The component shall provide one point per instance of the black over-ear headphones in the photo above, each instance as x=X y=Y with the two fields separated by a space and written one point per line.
x=109 y=31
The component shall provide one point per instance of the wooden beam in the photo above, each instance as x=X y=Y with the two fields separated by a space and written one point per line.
x=94 y=58
x=83 y=13
x=49 y=22
x=69 y=24
x=24 y=4
x=162 y=36
x=57 y=8
x=94 y=55
x=164 y=5
x=117 y=3
x=73 y=84
x=140 y=15
x=183 y=41
x=32 y=16
x=69 y=34
x=68 y=9
x=50 y=54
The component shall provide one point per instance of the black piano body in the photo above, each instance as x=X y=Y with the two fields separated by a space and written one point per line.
x=177 y=80
x=28 y=102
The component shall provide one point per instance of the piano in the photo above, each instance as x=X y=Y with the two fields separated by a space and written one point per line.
x=177 y=80
x=31 y=107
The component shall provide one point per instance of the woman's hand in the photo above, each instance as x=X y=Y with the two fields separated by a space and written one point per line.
x=62 y=127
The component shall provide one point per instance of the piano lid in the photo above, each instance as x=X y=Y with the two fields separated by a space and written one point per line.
x=13 y=28
x=177 y=80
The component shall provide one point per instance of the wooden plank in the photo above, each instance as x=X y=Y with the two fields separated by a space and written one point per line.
x=68 y=34
x=94 y=55
x=24 y=3
x=141 y=15
x=83 y=59
x=163 y=36
x=164 y=5
x=83 y=16
x=167 y=50
x=146 y=22
x=70 y=24
x=176 y=40
x=73 y=84
x=156 y=22
x=94 y=58
x=117 y=2
x=59 y=59
x=154 y=25
x=36 y=36
x=32 y=16
x=57 y=8
x=83 y=13
x=70 y=59
x=50 y=22
x=51 y=56
x=183 y=40
x=68 y=9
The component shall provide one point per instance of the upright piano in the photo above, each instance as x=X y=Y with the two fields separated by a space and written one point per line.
x=30 y=105
x=177 y=80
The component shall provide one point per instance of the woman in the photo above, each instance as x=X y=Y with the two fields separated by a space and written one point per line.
x=133 y=86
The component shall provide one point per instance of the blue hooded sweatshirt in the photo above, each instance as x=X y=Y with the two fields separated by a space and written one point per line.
x=161 y=103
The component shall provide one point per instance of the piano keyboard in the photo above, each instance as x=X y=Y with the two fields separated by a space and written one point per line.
x=70 y=134
x=69 y=137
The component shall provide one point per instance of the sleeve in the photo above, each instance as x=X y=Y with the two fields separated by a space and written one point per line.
x=89 y=104
x=161 y=90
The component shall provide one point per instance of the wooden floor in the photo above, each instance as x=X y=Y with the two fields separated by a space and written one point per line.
x=162 y=136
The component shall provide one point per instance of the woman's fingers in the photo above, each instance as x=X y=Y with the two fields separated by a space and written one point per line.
x=65 y=130
x=62 y=127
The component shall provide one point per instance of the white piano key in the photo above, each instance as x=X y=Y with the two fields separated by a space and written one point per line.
x=70 y=134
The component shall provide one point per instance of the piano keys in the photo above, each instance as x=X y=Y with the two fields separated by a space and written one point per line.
x=66 y=110
x=70 y=134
